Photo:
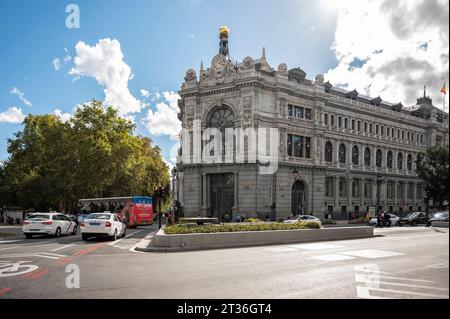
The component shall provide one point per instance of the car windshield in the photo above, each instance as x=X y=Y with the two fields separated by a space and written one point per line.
x=39 y=216
x=412 y=215
x=99 y=216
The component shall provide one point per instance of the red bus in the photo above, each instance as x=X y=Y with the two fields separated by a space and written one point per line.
x=133 y=210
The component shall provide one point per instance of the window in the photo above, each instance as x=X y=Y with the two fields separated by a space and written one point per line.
x=382 y=130
x=390 y=190
x=342 y=187
x=307 y=147
x=359 y=126
x=377 y=129
x=403 y=135
x=342 y=154
x=409 y=136
x=298 y=112
x=370 y=128
x=365 y=127
x=355 y=155
x=329 y=191
x=378 y=158
x=307 y=114
x=289 y=144
x=298 y=146
x=326 y=119
x=346 y=123
x=367 y=156
x=410 y=190
x=400 y=187
x=389 y=159
x=290 y=110
x=368 y=188
x=339 y=122
x=421 y=138
x=409 y=162
x=412 y=137
x=328 y=152
x=398 y=134
x=419 y=192
x=353 y=125
x=332 y=120
x=221 y=118
x=400 y=161
x=355 y=188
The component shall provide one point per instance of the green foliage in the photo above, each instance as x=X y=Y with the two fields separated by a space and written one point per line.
x=181 y=229
x=433 y=167
x=328 y=222
x=52 y=164
x=357 y=221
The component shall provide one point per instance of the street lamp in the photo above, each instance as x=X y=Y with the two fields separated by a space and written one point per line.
x=379 y=181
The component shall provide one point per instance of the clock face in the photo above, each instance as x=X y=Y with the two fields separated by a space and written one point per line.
x=219 y=63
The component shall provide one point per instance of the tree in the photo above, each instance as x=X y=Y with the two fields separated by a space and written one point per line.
x=52 y=164
x=432 y=167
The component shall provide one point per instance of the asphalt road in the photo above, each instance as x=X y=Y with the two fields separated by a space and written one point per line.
x=406 y=262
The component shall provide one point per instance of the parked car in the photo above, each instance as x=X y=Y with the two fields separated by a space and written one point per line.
x=438 y=217
x=392 y=217
x=302 y=218
x=55 y=224
x=74 y=219
x=102 y=225
x=413 y=219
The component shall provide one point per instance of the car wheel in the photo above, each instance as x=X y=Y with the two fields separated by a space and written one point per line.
x=124 y=232
x=84 y=237
x=414 y=223
x=114 y=237
x=58 y=232
x=28 y=236
x=75 y=230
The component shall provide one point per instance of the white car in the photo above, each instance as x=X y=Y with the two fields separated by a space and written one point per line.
x=302 y=218
x=102 y=225
x=55 y=224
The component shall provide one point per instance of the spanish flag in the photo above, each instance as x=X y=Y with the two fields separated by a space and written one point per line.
x=444 y=89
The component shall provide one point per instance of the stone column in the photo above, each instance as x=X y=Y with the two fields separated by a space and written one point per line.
x=336 y=194
x=204 y=195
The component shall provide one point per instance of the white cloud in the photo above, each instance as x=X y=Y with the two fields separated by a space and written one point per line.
x=65 y=117
x=164 y=121
x=104 y=62
x=145 y=93
x=21 y=96
x=392 y=48
x=12 y=115
x=56 y=63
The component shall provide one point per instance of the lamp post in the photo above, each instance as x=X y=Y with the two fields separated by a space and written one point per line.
x=427 y=203
x=379 y=181
x=158 y=192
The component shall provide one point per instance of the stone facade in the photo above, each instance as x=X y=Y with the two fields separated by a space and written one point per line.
x=337 y=148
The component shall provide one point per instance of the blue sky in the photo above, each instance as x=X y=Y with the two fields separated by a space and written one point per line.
x=160 y=40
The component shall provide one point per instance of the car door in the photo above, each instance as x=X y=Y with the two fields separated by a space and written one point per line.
x=117 y=224
x=422 y=218
x=66 y=224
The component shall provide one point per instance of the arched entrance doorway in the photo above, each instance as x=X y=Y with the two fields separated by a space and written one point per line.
x=298 y=189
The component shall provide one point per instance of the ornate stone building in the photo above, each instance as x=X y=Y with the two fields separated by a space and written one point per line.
x=339 y=151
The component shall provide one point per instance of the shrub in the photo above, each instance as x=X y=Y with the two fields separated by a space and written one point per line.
x=357 y=221
x=328 y=222
x=180 y=229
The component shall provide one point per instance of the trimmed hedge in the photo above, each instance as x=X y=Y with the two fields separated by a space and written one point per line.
x=227 y=228
x=253 y=220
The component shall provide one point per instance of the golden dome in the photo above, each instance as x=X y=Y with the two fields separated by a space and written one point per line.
x=223 y=31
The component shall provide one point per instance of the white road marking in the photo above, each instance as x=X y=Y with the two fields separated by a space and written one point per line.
x=42 y=255
x=440 y=265
x=9 y=241
x=402 y=284
x=333 y=257
x=127 y=236
x=395 y=278
x=364 y=292
x=60 y=248
x=369 y=253
x=315 y=246
x=281 y=249
x=143 y=242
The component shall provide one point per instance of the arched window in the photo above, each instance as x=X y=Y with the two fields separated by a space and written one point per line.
x=389 y=159
x=355 y=155
x=367 y=157
x=400 y=161
x=342 y=154
x=409 y=162
x=222 y=117
x=328 y=152
x=379 y=157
